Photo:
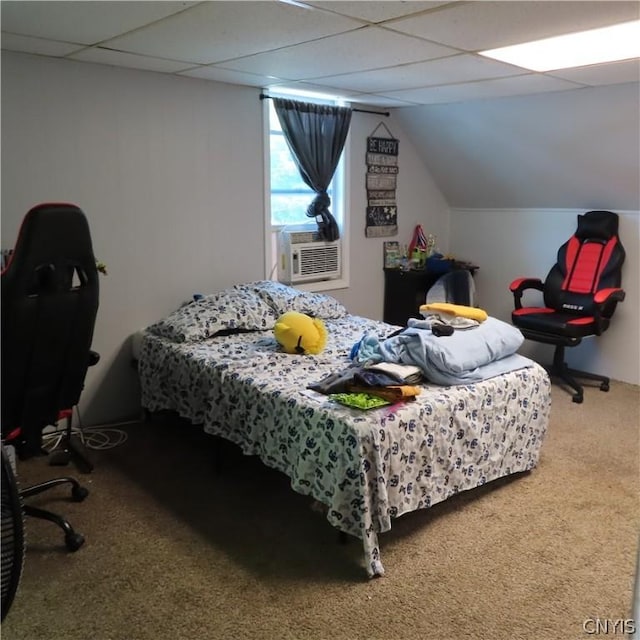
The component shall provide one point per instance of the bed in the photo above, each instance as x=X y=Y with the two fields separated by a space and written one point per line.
x=215 y=362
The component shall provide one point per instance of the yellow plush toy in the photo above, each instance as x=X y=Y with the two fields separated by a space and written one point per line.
x=299 y=333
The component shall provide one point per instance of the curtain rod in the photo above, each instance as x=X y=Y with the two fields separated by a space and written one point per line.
x=264 y=96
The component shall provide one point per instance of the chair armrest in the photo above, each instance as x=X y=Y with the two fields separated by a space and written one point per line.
x=613 y=294
x=518 y=286
x=605 y=303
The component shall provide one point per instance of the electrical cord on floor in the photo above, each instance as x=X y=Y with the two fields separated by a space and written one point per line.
x=98 y=437
x=52 y=439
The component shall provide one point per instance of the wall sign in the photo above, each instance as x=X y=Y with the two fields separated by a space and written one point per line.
x=381 y=184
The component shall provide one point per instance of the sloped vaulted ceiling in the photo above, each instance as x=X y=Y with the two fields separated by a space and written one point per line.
x=571 y=149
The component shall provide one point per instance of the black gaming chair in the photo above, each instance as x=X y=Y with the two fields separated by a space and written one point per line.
x=580 y=295
x=49 y=306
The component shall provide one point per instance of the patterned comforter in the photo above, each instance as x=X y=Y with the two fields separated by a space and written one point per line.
x=366 y=467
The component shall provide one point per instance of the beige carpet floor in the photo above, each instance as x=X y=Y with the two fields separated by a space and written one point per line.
x=179 y=549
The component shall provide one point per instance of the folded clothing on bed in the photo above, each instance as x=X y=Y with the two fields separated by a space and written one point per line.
x=392 y=393
x=342 y=381
x=405 y=373
x=461 y=358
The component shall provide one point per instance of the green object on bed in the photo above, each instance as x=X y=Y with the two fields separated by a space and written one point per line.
x=359 y=400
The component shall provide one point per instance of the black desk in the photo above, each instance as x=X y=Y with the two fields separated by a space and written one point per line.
x=406 y=291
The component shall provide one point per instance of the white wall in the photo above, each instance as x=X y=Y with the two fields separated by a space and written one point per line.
x=169 y=171
x=159 y=166
x=512 y=243
x=567 y=149
x=419 y=202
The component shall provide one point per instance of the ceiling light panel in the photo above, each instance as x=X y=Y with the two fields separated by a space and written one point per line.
x=595 y=46
x=476 y=26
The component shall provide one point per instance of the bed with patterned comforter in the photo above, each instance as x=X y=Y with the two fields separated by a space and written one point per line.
x=367 y=467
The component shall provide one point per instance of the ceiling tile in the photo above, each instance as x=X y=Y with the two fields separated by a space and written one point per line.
x=312 y=87
x=601 y=74
x=378 y=11
x=380 y=101
x=500 y=87
x=386 y=51
x=120 y=59
x=216 y=31
x=474 y=26
x=230 y=77
x=83 y=22
x=366 y=48
x=26 y=44
x=460 y=68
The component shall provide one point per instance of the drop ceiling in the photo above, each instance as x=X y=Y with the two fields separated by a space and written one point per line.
x=387 y=54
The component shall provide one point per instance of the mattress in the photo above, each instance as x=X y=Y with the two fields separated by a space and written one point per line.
x=367 y=467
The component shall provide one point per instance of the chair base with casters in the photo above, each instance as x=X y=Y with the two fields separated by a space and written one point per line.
x=72 y=539
x=562 y=372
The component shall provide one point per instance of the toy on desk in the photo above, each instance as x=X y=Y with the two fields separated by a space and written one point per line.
x=298 y=333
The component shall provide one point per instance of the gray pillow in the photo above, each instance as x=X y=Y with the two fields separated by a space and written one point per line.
x=229 y=311
x=282 y=298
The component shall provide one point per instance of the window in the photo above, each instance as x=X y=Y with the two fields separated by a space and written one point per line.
x=289 y=196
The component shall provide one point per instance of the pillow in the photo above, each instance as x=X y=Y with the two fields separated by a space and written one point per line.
x=282 y=298
x=229 y=311
x=597 y=225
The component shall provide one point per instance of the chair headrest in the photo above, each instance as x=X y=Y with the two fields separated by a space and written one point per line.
x=597 y=225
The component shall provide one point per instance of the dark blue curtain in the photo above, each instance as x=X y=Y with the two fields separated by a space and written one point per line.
x=316 y=135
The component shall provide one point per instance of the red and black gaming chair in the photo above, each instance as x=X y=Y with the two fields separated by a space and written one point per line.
x=49 y=306
x=580 y=295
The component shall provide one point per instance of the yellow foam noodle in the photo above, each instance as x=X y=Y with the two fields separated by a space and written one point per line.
x=458 y=310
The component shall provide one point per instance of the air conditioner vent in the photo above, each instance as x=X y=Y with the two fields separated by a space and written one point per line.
x=307 y=261
x=318 y=259
x=301 y=237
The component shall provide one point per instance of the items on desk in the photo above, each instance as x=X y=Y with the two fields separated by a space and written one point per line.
x=392 y=254
x=420 y=248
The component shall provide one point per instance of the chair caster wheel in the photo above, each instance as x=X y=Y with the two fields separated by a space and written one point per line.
x=578 y=399
x=78 y=494
x=74 y=541
x=604 y=386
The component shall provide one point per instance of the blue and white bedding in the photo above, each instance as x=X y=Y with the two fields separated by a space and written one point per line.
x=468 y=355
x=366 y=467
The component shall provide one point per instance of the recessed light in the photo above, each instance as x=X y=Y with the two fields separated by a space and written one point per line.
x=595 y=46
x=296 y=3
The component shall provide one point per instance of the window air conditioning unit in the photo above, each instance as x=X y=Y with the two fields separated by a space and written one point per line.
x=304 y=257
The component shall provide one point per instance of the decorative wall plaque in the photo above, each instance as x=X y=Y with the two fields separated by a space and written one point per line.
x=381 y=184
